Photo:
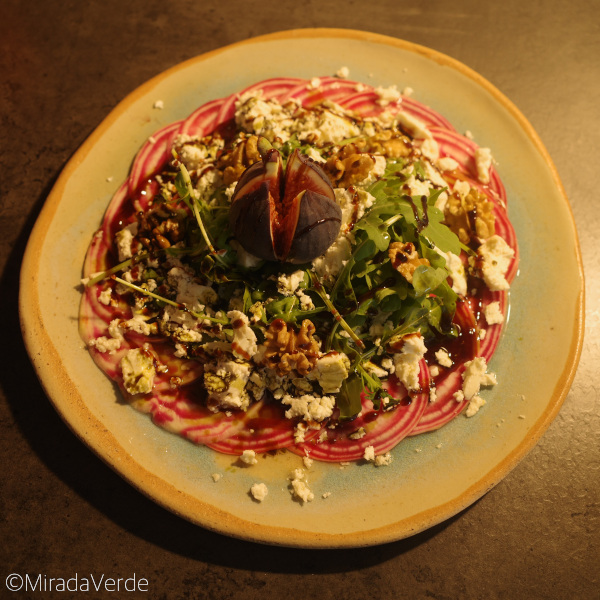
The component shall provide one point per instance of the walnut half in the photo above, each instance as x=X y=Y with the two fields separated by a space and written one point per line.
x=243 y=155
x=470 y=216
x=287 y=350
x=405 y=259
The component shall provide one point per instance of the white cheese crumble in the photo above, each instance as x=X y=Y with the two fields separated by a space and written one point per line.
x=462 y=188
x=226 y=382
x=369 y=453
x=383 y=460
x=259 y=491
x=387 y=95
x=406 y=362
x=105 y=345
x=331 y=263
x=483 y=162
x=306 y=302
x=190 y=293
x=192 y=157
x=248 y=457
x=358 y=434
x=138 y=324
x=325 y=127
x=288 y=284
x=124 y=239
x=108 y=345
x=443 y=358
x=216 y=477
x=447 y=163
x=310 y=408
x=105 y=296
x=244 y=339
x=300 y=487
x=414 y=126
x=493 y=314
x=353 y=205
x=496 y=255
x=474 y=405
x=431 y=150
x=457 y=272
x=343 y=72
x=474 y=376
x=330 y=370
x=138 y=372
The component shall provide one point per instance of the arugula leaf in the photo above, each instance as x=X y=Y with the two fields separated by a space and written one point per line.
x=348 y=400
x=426 y=279
x=440 y=235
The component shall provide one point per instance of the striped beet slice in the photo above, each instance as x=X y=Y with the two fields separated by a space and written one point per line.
x=277 y=88
x=203 y=120
x=445 y=407
x=383 y=429
x=153 y=155
x=178 y=412
x=264 y=427
x=462 y=150
x=505 y=230
x=493 y=333
x=425 y=114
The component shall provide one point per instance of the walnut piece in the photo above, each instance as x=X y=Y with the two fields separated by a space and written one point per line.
x=470 y=216
x=160 y=228
x=235 y=162
x=287 y=350
x=390 y=144
x=405 y=259
x=349 y=166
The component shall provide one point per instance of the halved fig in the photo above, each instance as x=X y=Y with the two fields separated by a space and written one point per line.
x=292 y=217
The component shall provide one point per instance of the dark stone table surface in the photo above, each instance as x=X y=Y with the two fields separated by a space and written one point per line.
x=63 y=66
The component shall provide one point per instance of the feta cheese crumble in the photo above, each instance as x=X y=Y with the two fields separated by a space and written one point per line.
x=330 y=370
x=309 y=408
x=138 y=372
x=496 y=255
x=475 y=375
x=406 y=362
x=493 y=314
x=259 y=491
x=300 y=487
x=483 y=162
x=248 y=457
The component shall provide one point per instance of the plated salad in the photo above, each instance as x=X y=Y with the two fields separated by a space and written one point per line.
x=312 y=265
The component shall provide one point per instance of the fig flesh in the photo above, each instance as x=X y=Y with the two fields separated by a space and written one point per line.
x=291 y=216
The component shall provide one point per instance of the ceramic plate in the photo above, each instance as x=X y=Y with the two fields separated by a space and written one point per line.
x=432 y=476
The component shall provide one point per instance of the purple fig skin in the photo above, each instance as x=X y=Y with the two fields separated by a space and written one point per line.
x=318 y=226
x=250 y=222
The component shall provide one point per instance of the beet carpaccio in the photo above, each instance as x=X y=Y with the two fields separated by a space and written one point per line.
x=319 y=266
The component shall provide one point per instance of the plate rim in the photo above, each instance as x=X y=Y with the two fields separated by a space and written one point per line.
x=71 y=406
